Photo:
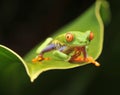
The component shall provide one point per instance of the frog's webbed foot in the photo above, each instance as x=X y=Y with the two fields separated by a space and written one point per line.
x=81 y=59
x=39 y=58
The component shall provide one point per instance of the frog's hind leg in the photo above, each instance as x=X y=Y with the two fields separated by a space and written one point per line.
x=40 y=56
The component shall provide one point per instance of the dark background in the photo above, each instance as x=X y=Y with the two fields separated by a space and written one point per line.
x=25 y=23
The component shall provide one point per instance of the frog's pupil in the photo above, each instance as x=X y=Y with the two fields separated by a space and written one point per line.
x=68 y=37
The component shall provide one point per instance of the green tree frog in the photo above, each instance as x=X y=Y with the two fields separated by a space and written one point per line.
x=70 y=46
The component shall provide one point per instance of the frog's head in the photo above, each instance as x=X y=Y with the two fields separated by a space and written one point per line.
x=76 y=38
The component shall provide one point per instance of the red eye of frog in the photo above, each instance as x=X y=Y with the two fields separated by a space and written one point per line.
x=69 y=37
x=91 y=36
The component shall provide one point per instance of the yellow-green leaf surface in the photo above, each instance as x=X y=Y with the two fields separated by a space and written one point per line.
x=90 y=20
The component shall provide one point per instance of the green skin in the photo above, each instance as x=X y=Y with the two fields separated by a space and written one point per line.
x=66 y=50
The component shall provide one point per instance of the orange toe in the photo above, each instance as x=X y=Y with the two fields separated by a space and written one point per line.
x=34 y=60
x=91 y=60
x=37 y=59
x=88 y=59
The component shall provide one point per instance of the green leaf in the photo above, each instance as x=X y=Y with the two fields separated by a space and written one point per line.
x=90 y=20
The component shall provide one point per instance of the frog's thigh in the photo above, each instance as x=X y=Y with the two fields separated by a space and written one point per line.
x=60 y=55
x=43 y=46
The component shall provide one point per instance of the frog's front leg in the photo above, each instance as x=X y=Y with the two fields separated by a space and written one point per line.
x=85 y=58
x=61 y=56
x=77 y=56
x=84 y=50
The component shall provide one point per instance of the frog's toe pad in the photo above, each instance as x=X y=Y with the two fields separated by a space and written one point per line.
x=91 y=60
x=39 y=58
